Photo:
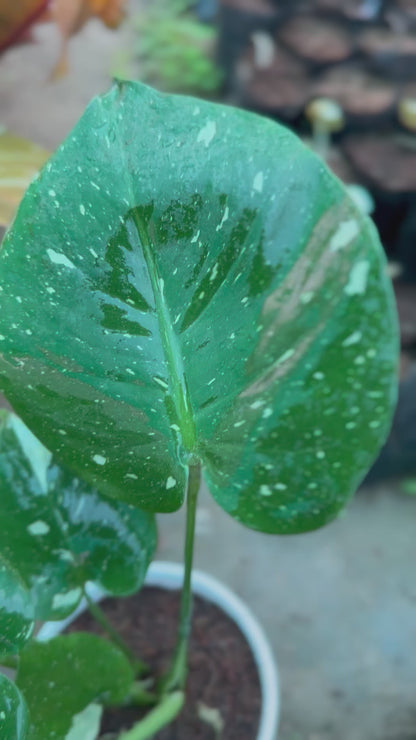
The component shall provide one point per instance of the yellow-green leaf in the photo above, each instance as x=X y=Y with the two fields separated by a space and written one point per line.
x=20 y=160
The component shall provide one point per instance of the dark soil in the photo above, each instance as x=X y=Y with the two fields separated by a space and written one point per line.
x=316 y=40
x=358 y=92
x=385 y=161
x=222 y=673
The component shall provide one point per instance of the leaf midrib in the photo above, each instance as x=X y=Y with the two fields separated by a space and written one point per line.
x=170 y=345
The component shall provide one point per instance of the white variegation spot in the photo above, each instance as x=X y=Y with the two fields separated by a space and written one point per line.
x=67 y=600
x=353 y=338
x=99 y=459
x=86 y=724
x=38 y=528
x=37 y=455
x=357 y=281
x=258 y=182
x=59 y=259
x=207 y=133
x=347 y=231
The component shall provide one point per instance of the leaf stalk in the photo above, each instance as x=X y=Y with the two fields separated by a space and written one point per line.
x=176 y=675
x=139 y=666
x=157 y=718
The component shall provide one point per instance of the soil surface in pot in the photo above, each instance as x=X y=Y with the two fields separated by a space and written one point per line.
x=222 y=683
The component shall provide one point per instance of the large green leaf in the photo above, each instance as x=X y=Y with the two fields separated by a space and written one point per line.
x=58 y=533
x=186 y=280
x=61 y=678
x=13 y=712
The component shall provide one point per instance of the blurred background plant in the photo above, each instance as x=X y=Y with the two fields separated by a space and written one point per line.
x=19 y=161
x=176 y=50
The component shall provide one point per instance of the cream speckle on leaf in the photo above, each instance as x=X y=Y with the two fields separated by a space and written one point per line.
x=38 y=528
x=59 y=259
x=346 y=232
x=357 y=281
x=207 y=133
x=258 y=182
x=353 y=338
x=99 y=459
x=65 y=600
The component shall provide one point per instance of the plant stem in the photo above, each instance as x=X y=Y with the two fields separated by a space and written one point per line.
x=321 y=141
x=176 y=675
x=140 y=696
x=159 y=717
x=171 y=689
x=99 y=616
x=9 y=661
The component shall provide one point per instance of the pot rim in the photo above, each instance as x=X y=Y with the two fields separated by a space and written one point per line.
x=169 y=575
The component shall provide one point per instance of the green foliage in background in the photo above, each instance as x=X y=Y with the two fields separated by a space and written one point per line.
x=176 y=51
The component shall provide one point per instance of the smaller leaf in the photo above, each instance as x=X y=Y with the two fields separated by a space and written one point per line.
x=61 y=678
x=13 y=712
x=58 y=533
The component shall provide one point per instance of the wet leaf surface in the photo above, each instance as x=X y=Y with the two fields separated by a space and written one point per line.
x=13 y=712
x=58 y=533
x=188 y=281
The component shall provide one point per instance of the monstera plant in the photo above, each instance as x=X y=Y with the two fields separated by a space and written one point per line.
x=186 y=290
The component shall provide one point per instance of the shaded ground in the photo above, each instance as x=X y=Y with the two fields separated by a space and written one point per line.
x=339 y=604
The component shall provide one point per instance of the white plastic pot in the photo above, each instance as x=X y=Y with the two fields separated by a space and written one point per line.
x=170 y=576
